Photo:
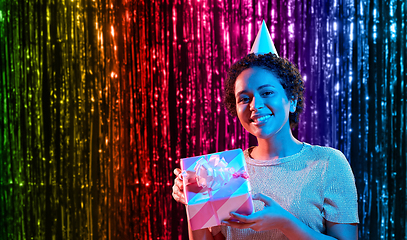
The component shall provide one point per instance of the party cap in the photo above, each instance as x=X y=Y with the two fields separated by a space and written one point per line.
x=263 y=43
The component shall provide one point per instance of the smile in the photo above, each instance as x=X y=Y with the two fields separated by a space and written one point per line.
x=261 y=119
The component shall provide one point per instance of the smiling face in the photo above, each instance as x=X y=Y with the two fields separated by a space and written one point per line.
x=262 y=105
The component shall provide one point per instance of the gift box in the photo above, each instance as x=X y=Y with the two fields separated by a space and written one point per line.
x=215 y=185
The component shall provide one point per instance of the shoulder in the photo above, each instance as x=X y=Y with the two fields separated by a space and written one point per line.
x=329 y=154
x=336 y=166
x=333 y=160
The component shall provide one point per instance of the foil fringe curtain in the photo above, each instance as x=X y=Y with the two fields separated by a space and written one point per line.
x=100 y=100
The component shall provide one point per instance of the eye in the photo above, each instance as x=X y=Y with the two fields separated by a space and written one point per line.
x=267 y=93
x=243 y=99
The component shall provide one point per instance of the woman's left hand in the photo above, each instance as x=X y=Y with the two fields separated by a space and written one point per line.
x=273 y=216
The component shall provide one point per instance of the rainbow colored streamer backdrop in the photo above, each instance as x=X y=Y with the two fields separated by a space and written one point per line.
x=99 y=99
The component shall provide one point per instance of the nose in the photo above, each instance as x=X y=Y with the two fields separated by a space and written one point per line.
x=256 y=103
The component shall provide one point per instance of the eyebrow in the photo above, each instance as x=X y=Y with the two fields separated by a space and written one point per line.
x=259 y=88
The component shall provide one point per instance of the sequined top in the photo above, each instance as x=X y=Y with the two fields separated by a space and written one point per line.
x=315 y=184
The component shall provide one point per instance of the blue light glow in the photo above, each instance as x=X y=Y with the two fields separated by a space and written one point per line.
x=351 y=32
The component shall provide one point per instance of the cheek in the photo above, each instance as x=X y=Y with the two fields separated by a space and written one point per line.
x=279 y=104
x=240 y=111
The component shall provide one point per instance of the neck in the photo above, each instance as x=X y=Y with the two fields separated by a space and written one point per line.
x=272 y=148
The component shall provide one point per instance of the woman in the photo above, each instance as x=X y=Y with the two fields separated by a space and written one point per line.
x=303 y=191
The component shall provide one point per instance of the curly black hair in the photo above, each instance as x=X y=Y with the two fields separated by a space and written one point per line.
x=287 y=72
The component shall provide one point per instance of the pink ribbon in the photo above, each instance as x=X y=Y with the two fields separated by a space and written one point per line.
x=242 y=174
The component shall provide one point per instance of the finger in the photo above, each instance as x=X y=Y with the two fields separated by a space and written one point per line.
x=179 y=198
x=177 y=171
x=177 y=189
x=179 y=184
x=178 y=195
x=242 y=218
x=266 y=199
x=237 y=224
x=182 y=199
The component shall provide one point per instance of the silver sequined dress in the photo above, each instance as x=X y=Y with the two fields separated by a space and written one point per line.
x=315 y=184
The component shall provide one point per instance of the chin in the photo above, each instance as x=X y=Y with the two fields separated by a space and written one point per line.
x=262 y=134
x=267 y=133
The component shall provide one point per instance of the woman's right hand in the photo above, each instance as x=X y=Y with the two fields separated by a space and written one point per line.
x=178 y=188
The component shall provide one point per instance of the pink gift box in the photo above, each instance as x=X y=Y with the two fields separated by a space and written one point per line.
x=207 y=206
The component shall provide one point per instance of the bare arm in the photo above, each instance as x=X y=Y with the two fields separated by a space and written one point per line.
x=342 y=231
x=296 y=229
x=273 y=216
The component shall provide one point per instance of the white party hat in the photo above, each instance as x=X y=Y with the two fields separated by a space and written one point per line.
x=263 y=43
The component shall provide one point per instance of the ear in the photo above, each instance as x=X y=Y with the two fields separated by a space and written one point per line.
x=293 y=105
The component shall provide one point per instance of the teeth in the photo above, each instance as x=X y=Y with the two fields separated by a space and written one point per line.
x=263 y=118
